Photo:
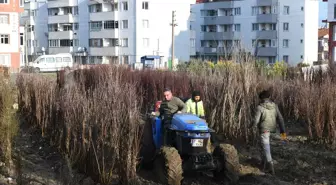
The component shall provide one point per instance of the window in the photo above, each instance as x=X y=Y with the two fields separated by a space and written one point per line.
x=115 y=7
x=75 y=26
x=32 y=13
x=66 y=59
x=237 y=27
x=301 y=56
x=4 y=39
x=255 y=10
x=66 y=43
x=145 y=23
x=95 y=8
x=285 y=26
x=237 y=11
x=111 y=25
x=67 y=10
x=21 y=3
x=50 y=60
x=4 y=1
x=125 y=59
x=53 y=43
x=192 y=43
x=145 y=5
x=125 y=24
x=145 y=42
x=301 y=41
x=301 y=25
x=21 y=39
x=76 y=10
x=285 y=43
x=124 y=42
x=96 y=42
x=286 y=10
x=203 y=28
x=273 y=43
x=285 y=58
x=96 y=26
x=273 y=26
x=255 y=27
x=58 y=59
x=4 y=18
x=5 y=60
x=125 y=5
x=334 y=11
x=274 y=9
x=302 y=9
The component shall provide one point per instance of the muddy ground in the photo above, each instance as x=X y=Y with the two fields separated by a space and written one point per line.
x=297 y=162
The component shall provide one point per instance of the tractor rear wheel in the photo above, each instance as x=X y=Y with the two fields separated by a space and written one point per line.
x=228 y=159
x=168 y=166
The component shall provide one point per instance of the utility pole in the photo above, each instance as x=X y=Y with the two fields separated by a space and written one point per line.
x=26 y=43
x=173 y=24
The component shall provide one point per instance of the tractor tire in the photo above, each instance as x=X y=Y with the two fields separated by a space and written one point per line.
x=168 y=166
x=227 y=156
x=147 y=150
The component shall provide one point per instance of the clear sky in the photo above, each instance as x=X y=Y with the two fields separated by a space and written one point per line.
x=323 y=12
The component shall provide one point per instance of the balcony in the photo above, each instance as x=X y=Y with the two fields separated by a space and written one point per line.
x=61 y=35
x=266 y=51
x=57 y=50
x=104 y=51
x=267 y=2
x=108 y=33
x=62 y=19
x=219 y=35
x=30 y=5
x=218 y=20
x=62 y=3
x=267 y=18
x=99 y=16
x=266 y=35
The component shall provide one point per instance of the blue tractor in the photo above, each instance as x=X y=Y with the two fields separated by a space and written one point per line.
x=189 y=150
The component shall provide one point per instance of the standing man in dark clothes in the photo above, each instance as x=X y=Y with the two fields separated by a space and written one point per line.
x=265 y=120
x=169 y=106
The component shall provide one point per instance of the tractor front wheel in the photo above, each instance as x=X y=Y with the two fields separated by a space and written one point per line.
x=168 y=166
x=228 y=159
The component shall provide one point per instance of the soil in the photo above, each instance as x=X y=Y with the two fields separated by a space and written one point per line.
x=297 y=162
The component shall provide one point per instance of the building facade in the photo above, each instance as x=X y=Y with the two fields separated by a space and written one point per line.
x=34 y=30
x=331 y=19
x=110 y=32
x=10 y=33
x=272 y=30
x=323 y=47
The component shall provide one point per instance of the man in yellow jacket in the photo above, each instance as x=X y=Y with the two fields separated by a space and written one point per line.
x=195 y=105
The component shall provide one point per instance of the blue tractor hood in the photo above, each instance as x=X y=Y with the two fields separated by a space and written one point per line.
x=188 y=122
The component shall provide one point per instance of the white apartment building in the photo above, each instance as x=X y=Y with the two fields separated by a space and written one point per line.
x=272 y=30
x=34 y=30
x=124 y=31
x=111 y=31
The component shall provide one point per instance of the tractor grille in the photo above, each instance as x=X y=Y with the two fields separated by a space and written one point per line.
x=201 y=158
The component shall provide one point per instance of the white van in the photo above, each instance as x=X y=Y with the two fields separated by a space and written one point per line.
x=52 y=63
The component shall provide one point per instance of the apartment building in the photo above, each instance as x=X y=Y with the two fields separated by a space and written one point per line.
x=272 y=30
x=124 y=31
x=10 y=33
x=34 y=30
x=323 y=48
x=331 y=19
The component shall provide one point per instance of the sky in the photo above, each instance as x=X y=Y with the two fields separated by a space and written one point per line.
x=323 y=7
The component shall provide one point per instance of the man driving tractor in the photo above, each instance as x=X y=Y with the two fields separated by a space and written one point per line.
x=169 y=106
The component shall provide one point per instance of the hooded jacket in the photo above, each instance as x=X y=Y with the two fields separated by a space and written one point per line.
x=195 y=107
x=266 y=117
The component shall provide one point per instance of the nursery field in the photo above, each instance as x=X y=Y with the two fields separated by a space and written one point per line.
x=86 y=127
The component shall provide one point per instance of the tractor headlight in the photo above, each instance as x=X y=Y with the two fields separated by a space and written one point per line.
x=192 y=134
